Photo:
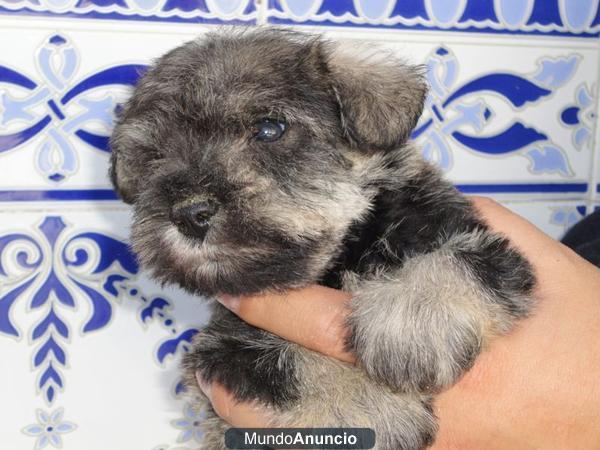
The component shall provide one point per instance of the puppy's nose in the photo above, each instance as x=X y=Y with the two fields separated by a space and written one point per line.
x=193 y=219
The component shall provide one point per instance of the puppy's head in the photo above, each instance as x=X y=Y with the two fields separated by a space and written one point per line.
x=242 y=155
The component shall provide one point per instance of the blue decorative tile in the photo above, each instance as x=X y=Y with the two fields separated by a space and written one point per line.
x=452 y=106
x=49 y=428
x=546 y=17
x=581 y=117
x=508 y=119
x=192 y=11
x=56 y=89
x=63 y=280
x=59 y=92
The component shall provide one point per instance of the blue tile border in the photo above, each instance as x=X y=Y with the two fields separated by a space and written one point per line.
x=523 y=188
x=109 y=194
x=471 y=29
x=243 y=12
x=57 y=195
x=580 y=18
x=536 y=17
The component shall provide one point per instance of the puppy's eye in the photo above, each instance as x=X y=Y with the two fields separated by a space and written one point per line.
x=268 y=130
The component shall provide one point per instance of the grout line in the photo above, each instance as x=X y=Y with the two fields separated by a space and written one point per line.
x=595 y=165
x=262 y=12
x=510 y=190
x=453 y=37
x=109 y=26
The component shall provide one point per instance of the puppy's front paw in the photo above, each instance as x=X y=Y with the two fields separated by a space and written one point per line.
x=422 y=326
x=410 y=346
x=250 y=363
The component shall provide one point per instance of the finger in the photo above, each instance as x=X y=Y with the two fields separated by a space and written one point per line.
x=313 y=317
x=237 y=414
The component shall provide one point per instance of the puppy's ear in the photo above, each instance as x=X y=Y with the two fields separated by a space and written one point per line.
x=380 y=98
x=119 y=181
x=119 y=171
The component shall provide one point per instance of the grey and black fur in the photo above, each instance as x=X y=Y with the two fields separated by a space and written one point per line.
x=338 y=197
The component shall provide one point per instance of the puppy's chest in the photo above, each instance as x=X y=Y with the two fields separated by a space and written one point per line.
x=358 y=262
x=370 y=249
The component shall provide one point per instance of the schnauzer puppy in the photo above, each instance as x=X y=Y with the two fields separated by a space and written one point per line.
x=267 y=160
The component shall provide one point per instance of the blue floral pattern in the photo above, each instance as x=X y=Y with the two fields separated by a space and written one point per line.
x=580 y=117
x=56 y=157
x=190 y=425
x=49 y=429
x=450 y=109
x=46 y=270
x=53 y=270
x=567 y=216
x=551 y=17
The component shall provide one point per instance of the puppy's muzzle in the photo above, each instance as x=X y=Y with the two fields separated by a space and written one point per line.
x=193 y=217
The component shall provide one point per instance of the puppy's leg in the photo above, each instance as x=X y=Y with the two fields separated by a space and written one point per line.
x=301 y=388
x=420 y=326
x=249 y=362
x=335 y=394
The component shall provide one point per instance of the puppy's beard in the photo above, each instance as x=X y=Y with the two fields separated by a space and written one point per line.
x=188 y=247
x=206 y=259
x=200 y=261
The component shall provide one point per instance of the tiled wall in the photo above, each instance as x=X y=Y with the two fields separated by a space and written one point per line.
x=89 y=345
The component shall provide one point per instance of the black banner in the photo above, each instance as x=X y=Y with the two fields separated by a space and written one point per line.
x=299 y=438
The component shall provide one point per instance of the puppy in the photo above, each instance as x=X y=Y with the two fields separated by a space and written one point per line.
x=267 y=160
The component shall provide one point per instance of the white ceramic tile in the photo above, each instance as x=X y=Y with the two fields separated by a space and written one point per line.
x=108 y=367
x=595 y=177
x=57 y=62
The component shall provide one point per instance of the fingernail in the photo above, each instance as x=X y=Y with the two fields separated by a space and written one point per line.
x=229 y=301
x=203 y=384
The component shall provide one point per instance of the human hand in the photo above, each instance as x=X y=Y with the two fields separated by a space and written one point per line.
x=534 y=388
